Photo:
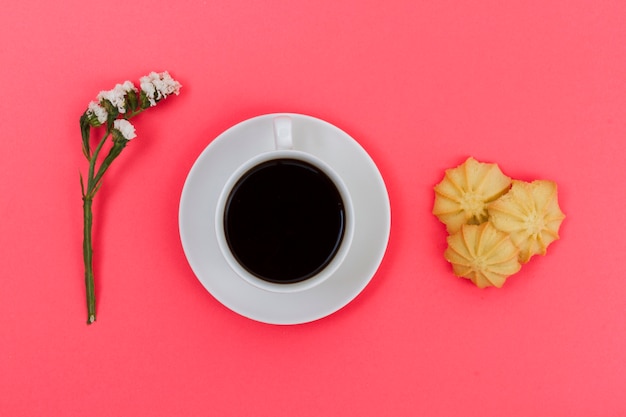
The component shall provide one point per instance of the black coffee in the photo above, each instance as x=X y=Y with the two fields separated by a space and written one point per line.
x=284 y=220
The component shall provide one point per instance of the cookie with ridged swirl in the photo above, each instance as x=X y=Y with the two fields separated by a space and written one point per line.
x=530 y=214
x=482 y=254
x=465 y=191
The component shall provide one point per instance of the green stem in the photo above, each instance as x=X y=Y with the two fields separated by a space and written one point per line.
x=91 y=184
x=88 y=257
x=131 y=114
x=114 y=152
x=88 y=196
x=94 y=179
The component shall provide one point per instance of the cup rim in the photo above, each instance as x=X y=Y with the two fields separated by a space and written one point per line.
x=338 y=257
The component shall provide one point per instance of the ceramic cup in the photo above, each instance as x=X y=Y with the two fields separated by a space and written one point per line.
x=284 y=219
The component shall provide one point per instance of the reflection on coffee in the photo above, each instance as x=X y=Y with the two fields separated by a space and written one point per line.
x=284 y=220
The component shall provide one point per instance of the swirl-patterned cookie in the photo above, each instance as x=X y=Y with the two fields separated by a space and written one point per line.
x=482 y=254
x=465 y=191
x=530 y=214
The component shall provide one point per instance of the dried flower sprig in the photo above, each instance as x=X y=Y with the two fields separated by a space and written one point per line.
x=112 y=111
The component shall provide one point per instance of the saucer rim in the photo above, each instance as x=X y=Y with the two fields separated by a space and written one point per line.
x=287 y=307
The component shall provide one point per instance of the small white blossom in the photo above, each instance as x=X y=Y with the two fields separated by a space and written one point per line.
x=158 y=86
x=96 y=110
x=148 y=88
x=129 y=86
x=117 y=96
x=167 y=85
x=125 y=128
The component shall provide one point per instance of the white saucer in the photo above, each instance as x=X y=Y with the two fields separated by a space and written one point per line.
x=208 y=176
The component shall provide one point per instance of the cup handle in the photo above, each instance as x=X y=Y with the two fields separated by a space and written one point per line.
x=282 y=133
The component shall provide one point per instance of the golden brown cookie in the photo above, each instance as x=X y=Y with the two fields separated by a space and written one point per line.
x=463 y=194
x=482 y=254
x=530 y=213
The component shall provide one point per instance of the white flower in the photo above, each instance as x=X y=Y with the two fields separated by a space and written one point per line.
x=158 y=86
x=148 y=88
x=129 y=86
x=125 y=128
x=96 y=110
x=117 y=96
x=167 y=85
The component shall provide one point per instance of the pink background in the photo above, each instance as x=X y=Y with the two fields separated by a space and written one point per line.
x=537 y=86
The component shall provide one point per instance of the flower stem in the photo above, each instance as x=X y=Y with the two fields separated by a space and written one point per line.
x=88 y=257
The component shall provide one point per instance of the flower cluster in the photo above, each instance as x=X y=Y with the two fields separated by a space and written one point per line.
x=155 y=87
x=112 y=110
x=126 y=100
x=124 y=129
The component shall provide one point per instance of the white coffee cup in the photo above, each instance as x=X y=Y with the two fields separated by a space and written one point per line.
x=285 y=150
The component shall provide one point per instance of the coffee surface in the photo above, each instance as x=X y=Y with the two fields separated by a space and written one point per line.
x=284 y=220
